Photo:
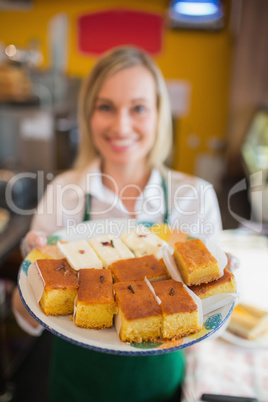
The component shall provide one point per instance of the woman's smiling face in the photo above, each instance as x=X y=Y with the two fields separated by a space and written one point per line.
x=124 y=119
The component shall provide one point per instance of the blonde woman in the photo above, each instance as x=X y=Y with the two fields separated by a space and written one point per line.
x=126 y=135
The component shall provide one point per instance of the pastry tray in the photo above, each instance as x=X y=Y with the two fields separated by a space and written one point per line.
x=107 y=340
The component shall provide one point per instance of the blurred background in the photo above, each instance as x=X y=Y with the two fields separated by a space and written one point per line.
x=214 y=65
x=215 y=61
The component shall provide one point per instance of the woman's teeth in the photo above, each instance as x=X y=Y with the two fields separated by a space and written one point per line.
x=122 y=142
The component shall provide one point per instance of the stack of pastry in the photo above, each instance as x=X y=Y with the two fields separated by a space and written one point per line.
x=248 y=321
x=15 y=83
x=4 y=219
x=128 y=279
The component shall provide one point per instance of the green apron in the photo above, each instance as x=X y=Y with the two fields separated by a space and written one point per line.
x=81 y=375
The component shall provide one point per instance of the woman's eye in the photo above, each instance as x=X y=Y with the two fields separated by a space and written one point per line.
x=104 y=108
x=139 y=108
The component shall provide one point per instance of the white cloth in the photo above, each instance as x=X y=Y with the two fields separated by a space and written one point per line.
x=192 y=202
x=217 y=367
x=236 y=366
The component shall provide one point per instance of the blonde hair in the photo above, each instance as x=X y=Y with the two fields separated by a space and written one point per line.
x=110 y=63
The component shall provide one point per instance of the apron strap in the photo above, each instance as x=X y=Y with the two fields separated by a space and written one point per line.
x=87 y=207
x=164 y=187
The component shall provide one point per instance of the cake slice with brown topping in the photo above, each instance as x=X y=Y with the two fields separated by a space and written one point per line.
x=136 y=269
x=54 y=284
x=140 y=317
x=195 y=262
x=180 y=312
x=225 y=284
x=95 y=305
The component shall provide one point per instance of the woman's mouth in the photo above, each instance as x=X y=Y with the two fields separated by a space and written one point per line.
x=119 y=144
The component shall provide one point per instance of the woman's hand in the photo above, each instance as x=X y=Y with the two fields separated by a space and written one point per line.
x=33 y=240
x=36 y=239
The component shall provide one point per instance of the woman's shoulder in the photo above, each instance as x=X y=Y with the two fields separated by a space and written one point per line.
x=68 y=176
x=176 y=177
x=74 y=175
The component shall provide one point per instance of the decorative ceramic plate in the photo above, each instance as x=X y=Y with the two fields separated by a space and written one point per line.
x=107 y=340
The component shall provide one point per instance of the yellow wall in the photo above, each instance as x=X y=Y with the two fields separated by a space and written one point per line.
x=201 y=58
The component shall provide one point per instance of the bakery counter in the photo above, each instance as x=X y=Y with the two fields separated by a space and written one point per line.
x=232 y=364
x=15 y=344
x=15 y=230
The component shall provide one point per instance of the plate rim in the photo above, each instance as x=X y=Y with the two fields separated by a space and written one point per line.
x=237 y=340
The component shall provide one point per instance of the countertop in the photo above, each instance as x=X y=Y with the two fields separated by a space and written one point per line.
x=16 y=229
x=231 y=365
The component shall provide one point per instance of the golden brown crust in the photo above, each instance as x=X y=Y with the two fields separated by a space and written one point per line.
x=194 y=254
x=135 y=300
x=95 y=286
x=96 y=327
x=56 y=274
x=174 y=297
x=137 y=268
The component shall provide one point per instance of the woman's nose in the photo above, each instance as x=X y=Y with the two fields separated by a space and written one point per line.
x=122 y=122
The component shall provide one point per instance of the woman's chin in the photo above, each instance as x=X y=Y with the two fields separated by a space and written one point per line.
x=125 y=160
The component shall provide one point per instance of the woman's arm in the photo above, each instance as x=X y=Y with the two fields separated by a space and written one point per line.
x=49 y=217
x=194 y=206
x=24 y=318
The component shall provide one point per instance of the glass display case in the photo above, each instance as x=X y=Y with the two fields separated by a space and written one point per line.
x=255 y=157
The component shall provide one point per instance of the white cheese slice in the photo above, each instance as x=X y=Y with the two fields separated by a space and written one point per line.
x=110 y=249
x=143 y=242
x=80 y=255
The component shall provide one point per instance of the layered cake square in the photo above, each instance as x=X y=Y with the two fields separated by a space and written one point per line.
x=195 y=262
x=180 y=312
x=139 y=318
x=136 y=269
x=95 y=304
x=248 y=321
x=54 y=284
